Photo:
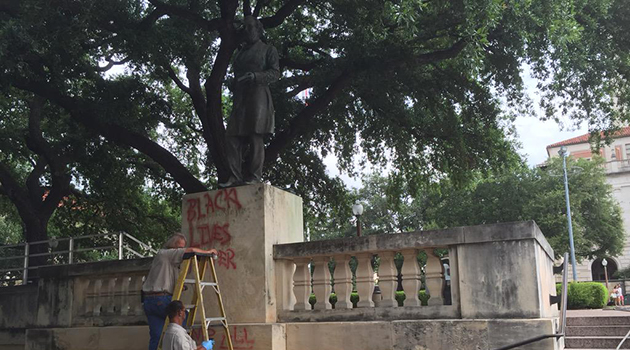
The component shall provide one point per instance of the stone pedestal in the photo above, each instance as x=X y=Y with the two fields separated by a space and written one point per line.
x=505 y=271
x=243 y=224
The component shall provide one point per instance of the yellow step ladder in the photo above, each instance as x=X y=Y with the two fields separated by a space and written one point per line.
x=200 y=263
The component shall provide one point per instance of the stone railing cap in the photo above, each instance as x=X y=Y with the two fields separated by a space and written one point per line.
x=95 y=268
x=510 y=231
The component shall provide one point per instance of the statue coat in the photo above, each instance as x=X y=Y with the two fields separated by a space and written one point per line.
x=252 y=110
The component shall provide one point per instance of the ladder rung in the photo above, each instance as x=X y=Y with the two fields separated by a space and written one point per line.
x=203 y=284
x=214 y=319
x=195 y=326
x=189 y=306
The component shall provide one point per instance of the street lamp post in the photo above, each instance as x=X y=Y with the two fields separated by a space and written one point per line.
x=564 y=153
x=357 y=210
x=604 y=264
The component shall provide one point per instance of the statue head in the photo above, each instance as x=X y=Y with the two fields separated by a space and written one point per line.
x=253 y=29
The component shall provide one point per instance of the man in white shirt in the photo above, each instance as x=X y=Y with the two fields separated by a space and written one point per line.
x=157 y=289
x=176 y=337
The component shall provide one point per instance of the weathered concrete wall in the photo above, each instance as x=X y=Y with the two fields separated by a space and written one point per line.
x=65 y=296
x=18 y=307
x=502 y=276
x=243 y=224
x=12 y=339
x=88 y=338
x=377 y=335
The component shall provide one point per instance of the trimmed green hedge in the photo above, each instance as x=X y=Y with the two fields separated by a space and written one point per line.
x=354 y=298
x=585 y=295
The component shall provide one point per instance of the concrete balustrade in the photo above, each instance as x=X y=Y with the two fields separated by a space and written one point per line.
x=84 y=295
x=104 y=299
x=513 y=249
x=323 y=281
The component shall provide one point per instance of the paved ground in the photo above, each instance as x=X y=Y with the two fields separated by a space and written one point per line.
x=619 y=312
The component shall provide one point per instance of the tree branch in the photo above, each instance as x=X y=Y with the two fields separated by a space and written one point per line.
x=35 y=191
x=84 y=111
x=301 y=83
x=247 y=8
x=228 y=8
x=259 y=6
x=302 y=121
x=57 y=165
x=39 y=145
x=304 y=66
x=151 y=18
x=111 y=63
x=215 y=131
x=164 y=8
x=440 y=55
x=124 y=137
x=16 y=194
x=285 y=11
x=175 y=78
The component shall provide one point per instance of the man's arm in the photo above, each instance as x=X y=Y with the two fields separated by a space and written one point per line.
x=201 y=251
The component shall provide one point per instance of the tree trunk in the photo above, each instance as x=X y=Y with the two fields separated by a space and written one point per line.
x=35 y=229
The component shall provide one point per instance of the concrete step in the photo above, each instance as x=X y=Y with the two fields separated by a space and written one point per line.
x=595 y=330
x=594 y=343
x=599 y=321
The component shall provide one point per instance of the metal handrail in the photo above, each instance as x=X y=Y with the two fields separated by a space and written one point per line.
x=622 y=341
x=121 y=246
x=561 y=331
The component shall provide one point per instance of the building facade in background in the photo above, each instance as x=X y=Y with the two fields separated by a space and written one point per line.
x=617 y=157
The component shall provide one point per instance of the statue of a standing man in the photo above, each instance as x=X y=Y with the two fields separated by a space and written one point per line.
x=255 y=67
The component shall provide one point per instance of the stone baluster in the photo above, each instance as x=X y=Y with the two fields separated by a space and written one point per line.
x=434 y=278
x=124 y=295
x=285 y=269
x=365 y=280
x=321 y=283
x=302 y=284
x=411 y=277
x=85 y=298
x=387 y=280
x=343 y=282
x=135 y=288
x=109 y=296
x=454 y=267
x=97 y=301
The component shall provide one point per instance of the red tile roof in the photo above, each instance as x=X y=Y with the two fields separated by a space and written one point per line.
x=584 y=138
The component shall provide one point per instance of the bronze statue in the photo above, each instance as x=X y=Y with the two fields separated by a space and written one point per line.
x=255 y=67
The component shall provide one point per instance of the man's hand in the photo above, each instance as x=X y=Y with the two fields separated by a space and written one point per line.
x=208 y=344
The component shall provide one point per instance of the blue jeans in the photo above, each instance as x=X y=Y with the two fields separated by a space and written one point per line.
x=155 y=309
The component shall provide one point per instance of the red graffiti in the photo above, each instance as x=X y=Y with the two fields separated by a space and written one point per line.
x=210 y=236
x=223 y=200
x=230 y=197
x=239 y=336
x=191 y=213
x=226 y=259
x=240 y=340
x=218 y=233
x=191 y=235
